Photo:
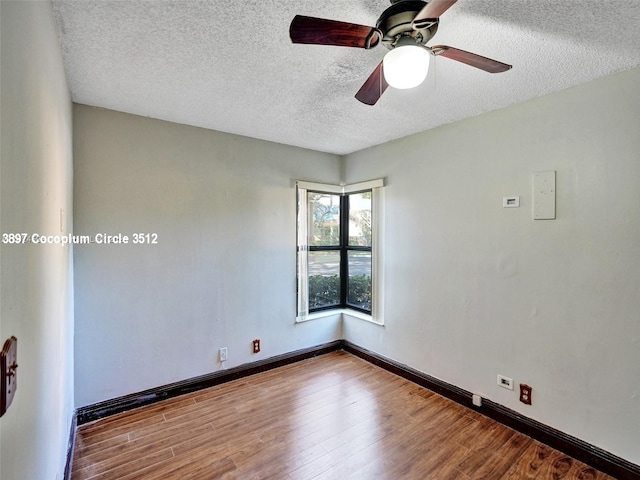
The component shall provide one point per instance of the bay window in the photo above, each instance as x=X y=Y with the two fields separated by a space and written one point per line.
x=339 y=248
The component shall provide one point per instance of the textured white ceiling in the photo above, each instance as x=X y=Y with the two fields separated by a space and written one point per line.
x=229 y=65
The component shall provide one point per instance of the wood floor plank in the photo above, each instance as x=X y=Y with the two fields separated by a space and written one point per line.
x=84 y=448
x=334 y=416
x=343 y=448
x=99 y=435
x=167 y=439
x=495 y=437
x=202 y=467
x=298 y=445
x=500 y=461
x=535 y=462
x=580 y=471
x=140 y=414
x=100 y=471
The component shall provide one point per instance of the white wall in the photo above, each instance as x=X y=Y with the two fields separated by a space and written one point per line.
x=223 y=272
x=474 y=290
x=36 y=280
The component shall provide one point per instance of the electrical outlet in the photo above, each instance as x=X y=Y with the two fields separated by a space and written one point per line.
x=223 y=354
x=525 y=394
x=256 y=345
x=505 y=382
x=476 y=400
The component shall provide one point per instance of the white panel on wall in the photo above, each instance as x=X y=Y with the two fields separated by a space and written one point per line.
x=544 y=195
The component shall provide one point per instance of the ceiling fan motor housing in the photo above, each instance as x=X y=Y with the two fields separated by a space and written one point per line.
x=397 y=22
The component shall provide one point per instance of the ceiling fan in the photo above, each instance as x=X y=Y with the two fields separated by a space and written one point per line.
x=404 y=28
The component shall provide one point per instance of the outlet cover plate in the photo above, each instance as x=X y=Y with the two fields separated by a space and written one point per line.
x=525 y=393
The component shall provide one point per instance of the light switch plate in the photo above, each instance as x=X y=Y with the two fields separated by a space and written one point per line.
x=511 y=202
x=505 y=382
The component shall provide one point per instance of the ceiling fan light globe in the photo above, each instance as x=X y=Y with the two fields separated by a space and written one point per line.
x=406 y=66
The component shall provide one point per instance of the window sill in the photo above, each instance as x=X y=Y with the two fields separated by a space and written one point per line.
x=343 y=312
x=348 y=313
x=318 y=315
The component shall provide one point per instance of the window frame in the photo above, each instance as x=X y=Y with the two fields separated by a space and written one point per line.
x=331 y=248
x=303 y=248
x=346 y=247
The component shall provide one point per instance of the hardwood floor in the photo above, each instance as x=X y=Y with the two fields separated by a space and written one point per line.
x=330 y=417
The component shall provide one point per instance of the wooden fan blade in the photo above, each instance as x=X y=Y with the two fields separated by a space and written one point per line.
x=373 y=88
x=473 y=59
x=430 y=11
x=319 y=31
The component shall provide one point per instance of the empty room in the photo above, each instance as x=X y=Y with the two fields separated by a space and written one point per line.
x=319 y=239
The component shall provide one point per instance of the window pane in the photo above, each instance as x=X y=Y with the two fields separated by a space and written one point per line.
x=359 y=288
x=324 y=279
x=360 y=219
x=324 y=219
